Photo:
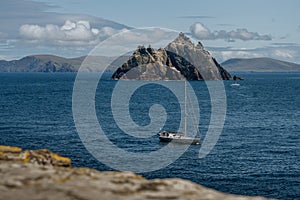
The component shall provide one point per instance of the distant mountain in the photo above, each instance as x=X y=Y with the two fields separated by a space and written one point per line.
x=41 y=63
x=180 y=59
x=259 y=65
x=52 y=63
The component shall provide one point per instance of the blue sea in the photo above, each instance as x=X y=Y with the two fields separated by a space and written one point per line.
x=258 y=152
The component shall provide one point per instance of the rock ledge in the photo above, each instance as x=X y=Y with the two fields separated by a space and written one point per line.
x=22 y=178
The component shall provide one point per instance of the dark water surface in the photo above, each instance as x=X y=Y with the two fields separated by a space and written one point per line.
x=258 y=152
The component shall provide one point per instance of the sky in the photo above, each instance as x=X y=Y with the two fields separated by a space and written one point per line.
x=228 y=29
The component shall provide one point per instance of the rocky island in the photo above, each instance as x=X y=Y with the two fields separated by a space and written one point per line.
x=181 y=59
x=41 y=174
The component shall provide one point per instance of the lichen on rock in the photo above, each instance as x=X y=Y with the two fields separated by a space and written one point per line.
x=43 y=178
x=42 y=156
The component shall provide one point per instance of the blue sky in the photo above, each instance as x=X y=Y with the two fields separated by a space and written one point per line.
x=232 y=28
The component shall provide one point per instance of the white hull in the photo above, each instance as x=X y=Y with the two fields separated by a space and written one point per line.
x=178 y=138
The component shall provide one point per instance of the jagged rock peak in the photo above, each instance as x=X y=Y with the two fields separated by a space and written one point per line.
x=180 y=59
x=199 y=45
x=183 y=39
x=143 y=50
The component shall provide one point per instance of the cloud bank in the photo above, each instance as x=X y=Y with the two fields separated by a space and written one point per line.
x=200 y=31
x=70 y=34
x=286 y=53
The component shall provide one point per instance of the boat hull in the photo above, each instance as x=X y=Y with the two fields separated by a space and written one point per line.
x=182 y=140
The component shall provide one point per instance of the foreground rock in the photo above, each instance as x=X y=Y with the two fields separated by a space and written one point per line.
x=21 y=179
x=180 y=60
x=42 y=156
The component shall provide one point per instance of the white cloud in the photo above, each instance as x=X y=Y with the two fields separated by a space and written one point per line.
x=284 y=53
x=106 y=32
x=201 y=32
x=290 y=54
x=128 y=40
x=225 y=55
x=146 y=36
x=71 y=33
x=4 y=57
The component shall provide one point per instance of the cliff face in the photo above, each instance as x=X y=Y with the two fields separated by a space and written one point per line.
x=181 y=59
x=148 y=64
x=45 y=175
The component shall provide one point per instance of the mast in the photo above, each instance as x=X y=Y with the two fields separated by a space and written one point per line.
x=184 y=107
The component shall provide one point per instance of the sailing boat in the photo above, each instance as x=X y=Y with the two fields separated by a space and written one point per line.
x=179 y=137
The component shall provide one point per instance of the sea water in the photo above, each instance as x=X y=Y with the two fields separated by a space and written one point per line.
x=258 y=152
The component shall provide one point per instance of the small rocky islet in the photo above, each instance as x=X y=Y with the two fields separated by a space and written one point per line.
x=42 y=174
x=179 y=60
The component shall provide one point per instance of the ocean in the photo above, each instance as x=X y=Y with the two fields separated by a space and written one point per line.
x=257 y=153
